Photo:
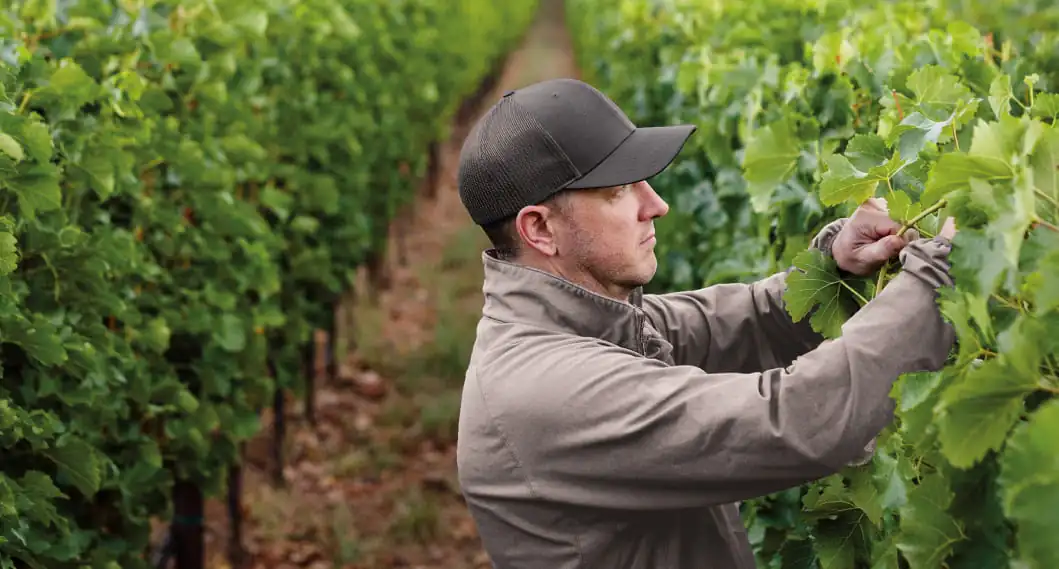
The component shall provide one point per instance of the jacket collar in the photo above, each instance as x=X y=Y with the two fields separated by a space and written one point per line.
x=516 y=293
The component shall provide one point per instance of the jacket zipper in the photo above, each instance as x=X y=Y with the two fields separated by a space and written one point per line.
x=639 y=332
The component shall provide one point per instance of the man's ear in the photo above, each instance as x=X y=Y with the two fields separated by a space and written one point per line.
x=536 y=226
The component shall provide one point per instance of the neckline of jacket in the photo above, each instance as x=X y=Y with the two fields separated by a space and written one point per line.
x=516 y=293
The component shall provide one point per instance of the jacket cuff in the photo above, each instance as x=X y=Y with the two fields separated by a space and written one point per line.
x=927 y=259
x=826 y=236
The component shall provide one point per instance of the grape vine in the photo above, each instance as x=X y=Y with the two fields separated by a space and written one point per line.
x=185 y=188
x=805 y=110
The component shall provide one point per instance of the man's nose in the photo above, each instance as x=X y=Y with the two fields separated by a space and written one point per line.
x=654 y=205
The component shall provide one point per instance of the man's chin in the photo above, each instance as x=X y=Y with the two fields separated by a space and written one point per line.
x=639 y=280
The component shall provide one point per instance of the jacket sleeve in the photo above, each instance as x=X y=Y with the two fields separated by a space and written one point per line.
x=631 y=432
x=740 y=327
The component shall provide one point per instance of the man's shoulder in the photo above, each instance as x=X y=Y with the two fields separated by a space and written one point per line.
x=502 y=350
x=523 y=381
x=508 y=351
x=529 y=379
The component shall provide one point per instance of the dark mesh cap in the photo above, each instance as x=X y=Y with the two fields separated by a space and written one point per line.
x=555 y=135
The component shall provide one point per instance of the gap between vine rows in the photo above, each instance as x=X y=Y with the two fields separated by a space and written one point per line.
x=373 y=485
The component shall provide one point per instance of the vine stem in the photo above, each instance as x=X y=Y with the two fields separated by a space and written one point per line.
x=25 y=101
x=1046 y=197
x=55 y=275
x=1049 y=225
x=912 y=222
x=1006 y=302
x=862 y=300
x=882 y=277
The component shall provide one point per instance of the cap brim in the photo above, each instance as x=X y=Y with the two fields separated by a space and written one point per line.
x=645 y=153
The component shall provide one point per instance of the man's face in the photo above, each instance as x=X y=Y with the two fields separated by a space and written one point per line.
x=608 y=235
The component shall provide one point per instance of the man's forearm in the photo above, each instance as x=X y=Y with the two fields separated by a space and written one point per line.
x=737 y=327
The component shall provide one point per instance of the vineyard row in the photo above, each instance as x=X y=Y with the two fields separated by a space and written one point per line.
x=807 y=108
x=186 y=189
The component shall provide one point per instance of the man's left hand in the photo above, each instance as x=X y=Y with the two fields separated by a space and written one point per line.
x=869 y=239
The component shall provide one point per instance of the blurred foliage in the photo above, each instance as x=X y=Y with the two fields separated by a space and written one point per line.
x=185 y=189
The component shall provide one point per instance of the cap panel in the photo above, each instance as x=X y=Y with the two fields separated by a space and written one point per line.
x=582 y=120
x=509 y=161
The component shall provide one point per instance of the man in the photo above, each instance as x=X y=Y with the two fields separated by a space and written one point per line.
x=604 y=428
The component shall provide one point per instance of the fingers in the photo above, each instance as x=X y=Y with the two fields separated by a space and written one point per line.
x=877 y=204
x=870 y=256
x=948 y=229
x=885 y=248
x=881 y=224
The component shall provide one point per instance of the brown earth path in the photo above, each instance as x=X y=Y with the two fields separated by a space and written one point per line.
x=372 y=486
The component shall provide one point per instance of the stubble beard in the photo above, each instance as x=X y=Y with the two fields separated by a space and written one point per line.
x=612 y=269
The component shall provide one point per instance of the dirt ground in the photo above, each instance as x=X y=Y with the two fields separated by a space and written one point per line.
x=373 y=485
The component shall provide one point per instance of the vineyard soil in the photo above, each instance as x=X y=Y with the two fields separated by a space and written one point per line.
x=373 y=484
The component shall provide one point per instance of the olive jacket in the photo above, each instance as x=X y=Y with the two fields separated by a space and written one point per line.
x=598 y=434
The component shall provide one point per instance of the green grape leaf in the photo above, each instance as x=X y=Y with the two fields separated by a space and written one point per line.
x=38 y=140
x=11 y=147
x=39 y=489
x=99 y=164
x=865 y=151
x=1046 y=106
x=9 y=255
x=1029 y=486
x=1000 y=95
x=231 y=335
x=157 y=334
x=901 y=207
x=1024 y=344
x=954 y=171
x=939 y=93
x=927 y=531
x=916 y=388
x=994 y=146
x=976 y=412
x=916 y=131
x=770 y=159
x=254 y=22
x=845 y=183
x=71 y=84
x=39 y=339
x=978 y=261
x=1046 y=292
x=37 y=189
x=884 y=554
x=816 y=284
x=78 y=463
x=878 y=487
x=1045 y=166
x=827 y=498
x=834 y=546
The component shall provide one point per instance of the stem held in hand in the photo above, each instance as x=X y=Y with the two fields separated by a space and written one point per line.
x=912 y=222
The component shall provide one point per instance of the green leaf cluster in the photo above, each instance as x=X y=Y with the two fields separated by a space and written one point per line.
x=806 y=109
x=186 y=188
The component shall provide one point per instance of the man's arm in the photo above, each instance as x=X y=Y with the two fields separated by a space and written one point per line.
x=736 y=327
x=600 y=426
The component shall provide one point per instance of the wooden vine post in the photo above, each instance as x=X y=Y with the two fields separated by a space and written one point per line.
x=189 y=551
x=236 y=552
